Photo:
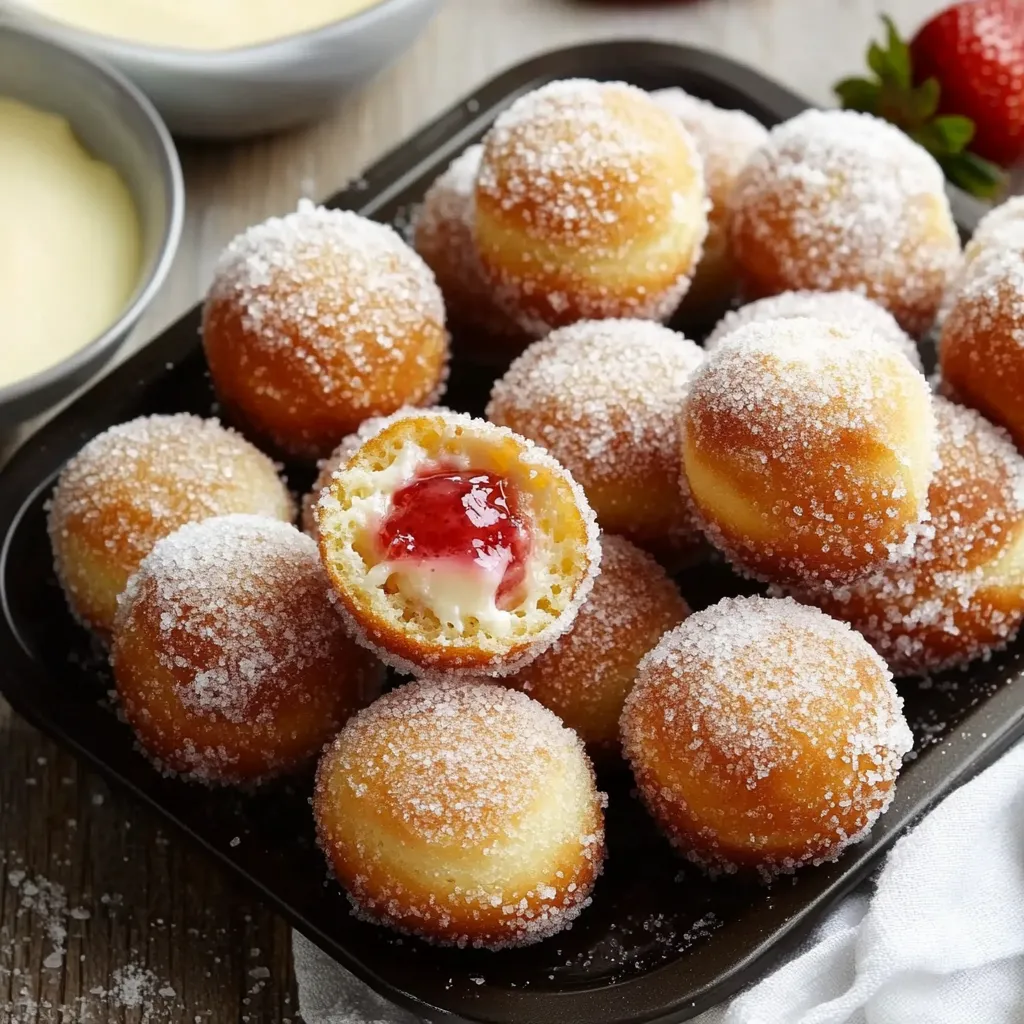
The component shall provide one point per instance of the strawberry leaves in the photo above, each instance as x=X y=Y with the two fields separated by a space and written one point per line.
x=892 y=95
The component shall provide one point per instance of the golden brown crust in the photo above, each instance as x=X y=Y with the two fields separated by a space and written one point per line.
x=317 y=321
x=604 y=398
x=808 y=450
x=138 y=482
x=462 y=813
x=225 y=681
x=838 y=200
x=980 y=352
x=792 y=742
x=585 y=677
x=960 y=593
x=589 y=204
x=443 y=236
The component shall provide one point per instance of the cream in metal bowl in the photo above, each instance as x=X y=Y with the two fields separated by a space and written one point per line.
x=218 y=77
x=102 y=187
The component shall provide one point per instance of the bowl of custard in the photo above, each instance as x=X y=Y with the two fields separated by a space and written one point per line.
x=235 y=68
x=91 y=208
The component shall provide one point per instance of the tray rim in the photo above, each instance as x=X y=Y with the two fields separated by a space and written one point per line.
x=380 y=183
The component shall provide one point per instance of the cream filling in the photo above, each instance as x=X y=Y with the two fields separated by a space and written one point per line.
x=452 y=589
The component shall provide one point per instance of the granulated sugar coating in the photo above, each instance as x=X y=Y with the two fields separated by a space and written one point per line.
x=839 y=200
x=463 y=813
x=585 y=676
x=590 y=203
x=230 y=661
x=604 y=397
x=440 y=615
x=960 y=594
x=1001 y=228
x=809 y=449
x=843 y=309
x=443 y=236
x=981 y=350
x=318 y=320
x=136 y=483
x=329 y=466
x=764 y=734
x=725 y=140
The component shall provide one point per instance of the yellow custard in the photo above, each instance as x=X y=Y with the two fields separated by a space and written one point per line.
x=200 y=24
x=69 y=242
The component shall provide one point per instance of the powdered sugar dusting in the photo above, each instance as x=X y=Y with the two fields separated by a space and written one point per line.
x=467 y=767
x=754 y=680
x=605 y=397
x=838 y=200
x=793 y=405
x=329 y=288
x=842 y=308
x=586 y=674
x=942 y=606
x=138 y=481
x=241 y=607
x=443 y=236
x=595 y=176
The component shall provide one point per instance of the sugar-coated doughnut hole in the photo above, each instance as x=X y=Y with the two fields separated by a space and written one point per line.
x=842 y=309
x=839 y=200
x=725 y=140
x=585 y=677
x=604 y=397
x=808 y=450
x=326 y=468
x=960 y=594
x=590 y=203
x=456 y=546
x=318 y=320
x=230 y=661
x=463 y=813
x=443 y=236
x=980 y=352
x=1001 y=228
x=136 y=483
x=764 y=735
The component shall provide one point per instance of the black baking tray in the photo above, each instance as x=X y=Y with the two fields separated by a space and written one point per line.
x=660 y=943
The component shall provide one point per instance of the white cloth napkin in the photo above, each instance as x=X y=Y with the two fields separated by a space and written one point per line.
x=939 y=941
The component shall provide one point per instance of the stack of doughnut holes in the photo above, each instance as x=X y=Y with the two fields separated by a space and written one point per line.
x=527 y=574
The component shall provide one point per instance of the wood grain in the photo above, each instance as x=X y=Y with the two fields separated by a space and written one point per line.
x=168 y=910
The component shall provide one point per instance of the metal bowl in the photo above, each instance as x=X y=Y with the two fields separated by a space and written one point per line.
x=255 y=89
x=118 y=125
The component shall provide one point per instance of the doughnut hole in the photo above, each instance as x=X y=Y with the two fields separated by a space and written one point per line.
x=980 y=355
x=838 y=200
x=462 y=813
x=431 y=617
x=230 y=661
x=317 y=321
x=808 y=451
x=585 y=677
x=443 y=236
x=725 y=140
x=764 y=735
x=604 y=397
x=136 y=483
x=590 y=204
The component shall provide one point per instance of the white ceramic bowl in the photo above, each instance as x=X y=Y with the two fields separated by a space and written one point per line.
x=257 y=89
x=119 y=126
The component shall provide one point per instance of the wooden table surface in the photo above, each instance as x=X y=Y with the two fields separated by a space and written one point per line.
x=103 y=917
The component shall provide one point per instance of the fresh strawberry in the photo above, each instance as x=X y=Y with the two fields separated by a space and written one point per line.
x=904 y=90
x=976 y=52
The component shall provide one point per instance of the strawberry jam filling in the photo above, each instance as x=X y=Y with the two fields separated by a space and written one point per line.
x=470 y=517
